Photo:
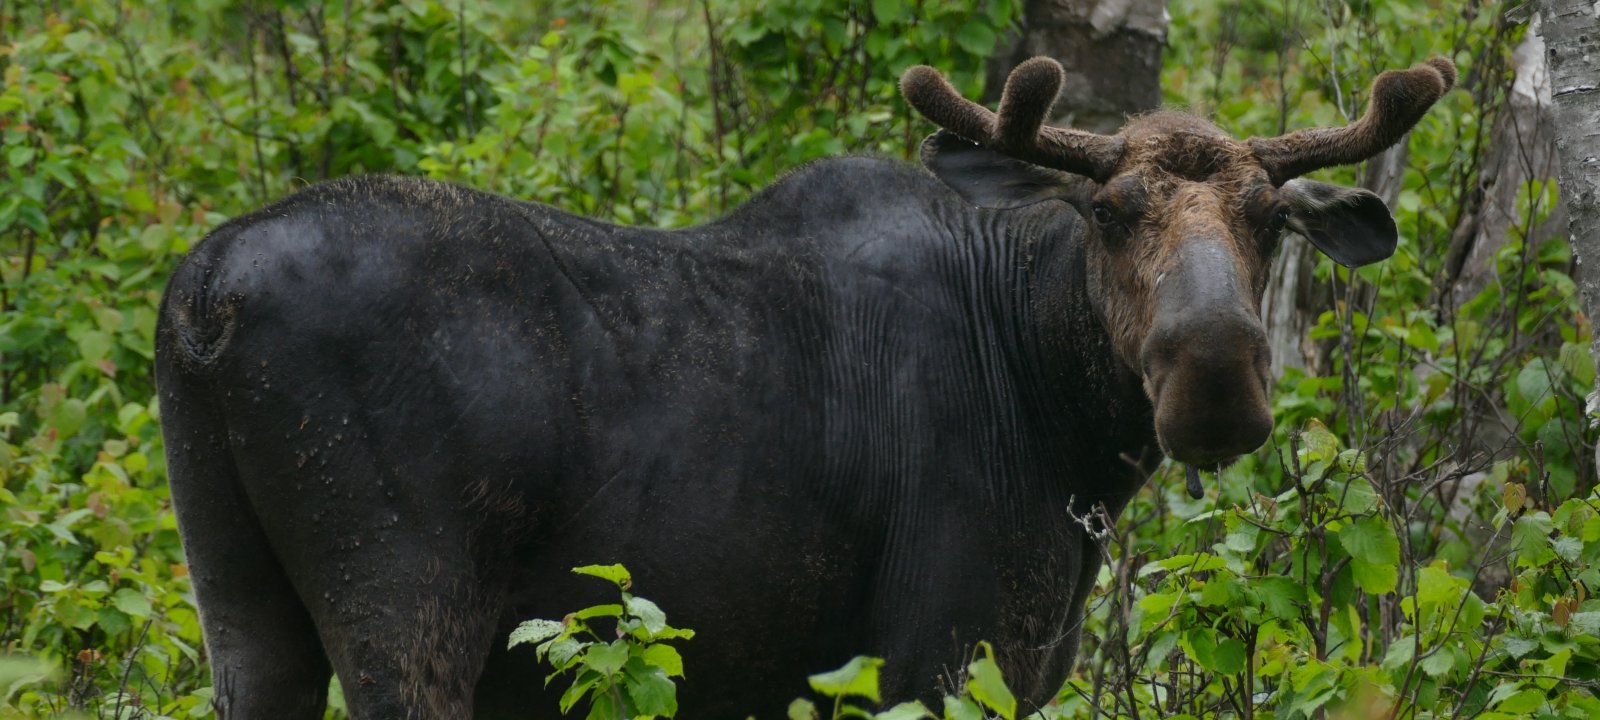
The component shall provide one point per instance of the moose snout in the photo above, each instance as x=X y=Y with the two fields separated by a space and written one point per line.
x=1208 y=380
x=1205 y=360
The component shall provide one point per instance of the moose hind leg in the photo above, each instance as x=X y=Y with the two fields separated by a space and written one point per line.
x=408 y=616
x=266 y=657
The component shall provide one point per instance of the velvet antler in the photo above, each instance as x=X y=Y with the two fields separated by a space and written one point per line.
x=1018 y=130
x=1399 y=100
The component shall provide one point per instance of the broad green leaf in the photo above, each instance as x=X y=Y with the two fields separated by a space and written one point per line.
x=905 y=711
x=652 y=693
x=1374 y=553
x=132 y=602
x=1316 y=443
x=976 y=38
x=615 y=573
x=665 y=657
x=605 y=707
x=580 y=687
x=67 y=417
x=1522 y=703
x=888 y=11
x=648 y=613
x=858 y=677
x=802 y=709
x=607 y=659
x=987 y=685
x=17 y=671
x=1281 y=597
x=960 y=708
x=1223 y=655
x=534 y=631
x=1442 y=661
x=1375 y=579
x=1530 y=536
x=562 y=652
x=113 y=621
x=594 y=611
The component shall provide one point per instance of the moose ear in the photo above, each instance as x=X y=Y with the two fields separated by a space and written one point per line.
x=1350 y=225
x=988 y=179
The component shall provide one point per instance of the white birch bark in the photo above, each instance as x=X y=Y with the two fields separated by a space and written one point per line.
x=1572 y=36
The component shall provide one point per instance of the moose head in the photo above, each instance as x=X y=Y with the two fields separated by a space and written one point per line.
x=1182 y=221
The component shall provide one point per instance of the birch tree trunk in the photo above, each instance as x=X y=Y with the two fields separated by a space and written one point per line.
x=1111 y=50
x=1523 y=149
x=1572 y=36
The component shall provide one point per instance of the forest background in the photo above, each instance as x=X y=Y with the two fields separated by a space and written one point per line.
x=1419 y=539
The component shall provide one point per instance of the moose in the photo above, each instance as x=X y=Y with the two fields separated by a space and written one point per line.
x=864 y=413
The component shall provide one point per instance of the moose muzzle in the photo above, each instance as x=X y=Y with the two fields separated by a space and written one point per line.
x=1205 y=361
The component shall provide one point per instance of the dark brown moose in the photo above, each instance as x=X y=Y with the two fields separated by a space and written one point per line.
x=861 y=414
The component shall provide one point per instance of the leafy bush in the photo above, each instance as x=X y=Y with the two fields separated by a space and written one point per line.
x=629 y=676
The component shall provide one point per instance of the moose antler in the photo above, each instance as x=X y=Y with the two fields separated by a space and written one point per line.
x=1399 y=100
x=1019 y=130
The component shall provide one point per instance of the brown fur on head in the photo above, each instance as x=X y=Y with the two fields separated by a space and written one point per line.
x=1183 y=220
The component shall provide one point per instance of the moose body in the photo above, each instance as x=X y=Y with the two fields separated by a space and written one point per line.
x=866 y=413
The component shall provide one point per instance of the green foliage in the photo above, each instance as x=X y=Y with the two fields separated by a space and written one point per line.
x=130 y=129
x=1410 y=545
x=1420 y=537
x=628 y=677
x=983 y=692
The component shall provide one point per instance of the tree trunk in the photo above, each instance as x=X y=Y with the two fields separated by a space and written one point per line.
x=1523 y=149
x=1111 y=50
x=1572 y=34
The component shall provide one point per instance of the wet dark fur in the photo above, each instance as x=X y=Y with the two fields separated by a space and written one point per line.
x=850 y=418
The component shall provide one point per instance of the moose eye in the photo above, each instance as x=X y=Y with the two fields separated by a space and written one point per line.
x=1280 y=218
x=1102 y=214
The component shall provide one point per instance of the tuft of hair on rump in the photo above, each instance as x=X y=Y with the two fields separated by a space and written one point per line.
x=1399 y=100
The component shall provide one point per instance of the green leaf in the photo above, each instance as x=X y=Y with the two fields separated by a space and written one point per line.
x=1281 y=597
x=606 y=707
x=607 y=659
x=561 y=652
x=1522 y=703
x=665 y=657
x=1533 y=381
x=1316 y=443
x=802 y=709
x=987 y=685
x=17 y=671
x=132 y=602
x=888 y=11
x=904 y=711
x=1530 y=536
x=1223 y=655
x=1375 y=579
x=648 y=613
x=652 y=693
x=1374 y=553
x=534 y=631
x=858 y=677
x=960 y=708
x=617 y=574
x=976 y=38
x=67 y=417
x=594 y=611
x=112 y=621
x=1439 y=663
x=580 y=687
